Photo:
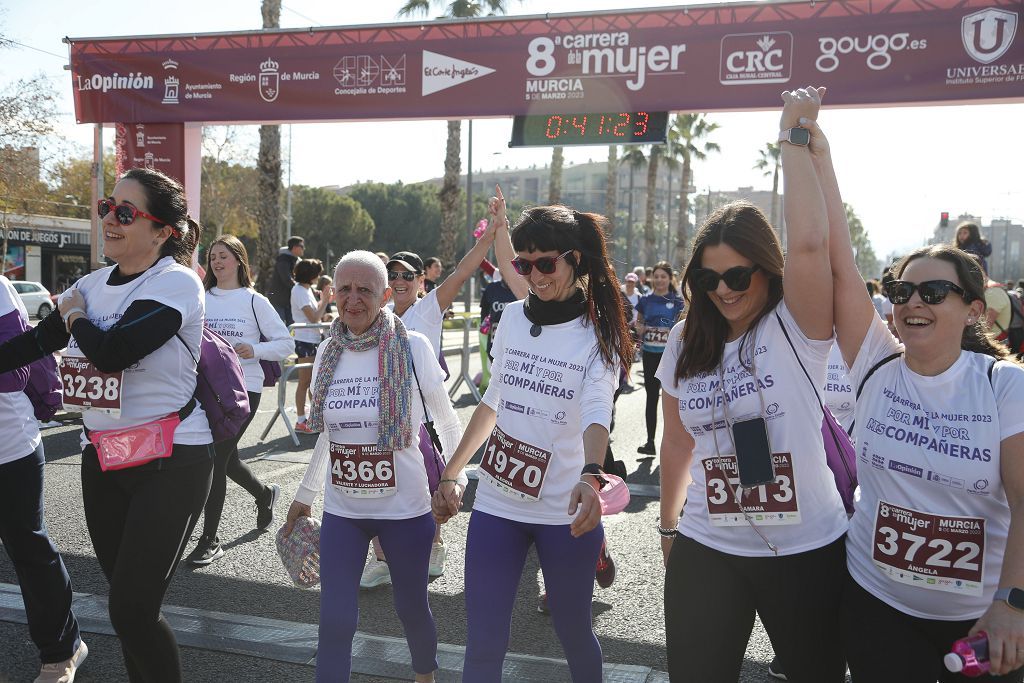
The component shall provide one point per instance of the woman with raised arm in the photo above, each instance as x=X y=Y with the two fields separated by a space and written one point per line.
x=545 y=418
x=763 y=524
x=132 y=332
x=374 y=381
x=249 y=322
x=936 y=545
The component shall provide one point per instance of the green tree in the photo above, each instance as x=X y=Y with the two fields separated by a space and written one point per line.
x=690 y=133
x=332 y=224
x=407 y=217
x=634 y=158
x=450 y=193
x=611 y=197
x=867 y=260
x=769 y=162
x=655 y=155
x=70 y=181
x=555 y=179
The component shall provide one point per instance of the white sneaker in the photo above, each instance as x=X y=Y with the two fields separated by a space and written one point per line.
x=375 y=573
x=438 y=554
x=63 y=672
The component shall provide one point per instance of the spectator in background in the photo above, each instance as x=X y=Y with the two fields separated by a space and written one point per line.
x=432 y=268
x=306 y=309
x=641 y=280
x=968 y=237
x=281 y=281
x=629 y=288
x=887 y=277
x=382 y=256
x=321 y=284
x=880 y=302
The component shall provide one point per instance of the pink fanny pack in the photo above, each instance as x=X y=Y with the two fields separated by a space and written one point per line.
x=134 y=446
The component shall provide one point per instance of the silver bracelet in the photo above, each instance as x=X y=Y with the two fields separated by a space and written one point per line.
x=668 y=533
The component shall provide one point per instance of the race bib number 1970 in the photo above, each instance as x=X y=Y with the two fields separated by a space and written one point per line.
x=86 y=388
x=515 y=468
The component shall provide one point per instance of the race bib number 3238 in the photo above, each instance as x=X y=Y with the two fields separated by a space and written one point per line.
x=86 y=388
x=515 y=468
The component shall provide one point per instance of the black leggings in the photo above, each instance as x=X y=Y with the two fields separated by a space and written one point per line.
x=227 y=464
x=139 y=520
x=885 y=645
x=711 y=597
x=652 y=385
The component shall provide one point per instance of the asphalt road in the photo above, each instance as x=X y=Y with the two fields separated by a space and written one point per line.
x=249 y=579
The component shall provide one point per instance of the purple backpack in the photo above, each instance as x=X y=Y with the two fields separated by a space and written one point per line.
x=220 y=385
x=44 y=388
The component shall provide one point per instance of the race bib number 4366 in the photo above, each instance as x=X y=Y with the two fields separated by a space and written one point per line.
x=86 y=388
x=936 y=552
x=362 y=470
x=515 y=468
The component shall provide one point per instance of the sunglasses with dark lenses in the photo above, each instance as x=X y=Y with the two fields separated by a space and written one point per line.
x=932 y=292
x=124 y=213
x=737 y=279
x=545 y=264
x=405 y=275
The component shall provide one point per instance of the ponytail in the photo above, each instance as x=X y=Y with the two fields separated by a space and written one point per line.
x=183 y=241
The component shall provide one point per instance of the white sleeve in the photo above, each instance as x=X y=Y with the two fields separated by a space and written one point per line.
x=598 y=393
x=179 y=289
x=1008 y=384
x=279 y=344
x=316 y=472
x=666 y=373
x=878 y=344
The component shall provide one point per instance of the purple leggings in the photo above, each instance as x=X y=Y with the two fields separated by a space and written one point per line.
x=343 y=543
x=495 y=554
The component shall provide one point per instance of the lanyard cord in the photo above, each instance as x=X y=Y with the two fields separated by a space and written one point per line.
x=738 y=492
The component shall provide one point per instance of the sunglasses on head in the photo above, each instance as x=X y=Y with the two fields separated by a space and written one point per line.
x=405 y=275
x=737 y=279
x=931 y=292
x=545 y=264
x=124 y=213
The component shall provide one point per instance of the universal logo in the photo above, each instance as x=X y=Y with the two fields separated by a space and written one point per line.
x=988 y=34
x=748 y=58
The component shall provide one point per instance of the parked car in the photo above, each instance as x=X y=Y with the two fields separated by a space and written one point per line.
x=36 y=297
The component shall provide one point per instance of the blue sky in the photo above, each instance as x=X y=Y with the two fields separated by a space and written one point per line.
x=898 y=167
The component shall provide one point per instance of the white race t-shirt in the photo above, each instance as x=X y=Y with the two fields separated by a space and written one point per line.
x=350 y=418
x=928 y=462
x=426 y=317
x=229 y=313
x=837 y=393
x=802 y=510
x=302 y=297
x=164 y=381
x=19 y=432
x=543 y=404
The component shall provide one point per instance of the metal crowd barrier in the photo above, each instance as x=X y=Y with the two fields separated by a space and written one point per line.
x=464 y=376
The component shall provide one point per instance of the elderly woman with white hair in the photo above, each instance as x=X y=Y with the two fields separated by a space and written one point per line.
x=373 y=380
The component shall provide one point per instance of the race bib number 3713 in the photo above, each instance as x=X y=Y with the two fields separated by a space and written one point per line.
x=362 y=470
x=86 y=388
x=936 y=552
x=515 y=468
x=774 y=503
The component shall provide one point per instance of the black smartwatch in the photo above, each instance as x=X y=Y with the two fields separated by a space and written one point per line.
x=1014 y=597
x=796 y=136
x=594 y=469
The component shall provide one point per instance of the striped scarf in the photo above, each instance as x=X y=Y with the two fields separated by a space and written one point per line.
x=394 y=363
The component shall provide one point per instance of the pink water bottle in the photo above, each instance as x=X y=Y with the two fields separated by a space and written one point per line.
x=969 y=656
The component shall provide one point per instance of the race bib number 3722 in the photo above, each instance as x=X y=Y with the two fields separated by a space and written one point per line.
x=362 y=470
x=936 y=552
x=86 y=388
x=515 y=468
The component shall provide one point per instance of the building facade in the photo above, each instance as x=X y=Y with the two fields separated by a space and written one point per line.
x=1006 y=238
x=47 y=249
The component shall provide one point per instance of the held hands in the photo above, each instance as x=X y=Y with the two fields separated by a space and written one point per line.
x=446 y=501
x=295 y=511
x=69 y=300
x=1005 y=628
x=244 y=350
x=800 y=103
x=585 y=499
x=496 y=208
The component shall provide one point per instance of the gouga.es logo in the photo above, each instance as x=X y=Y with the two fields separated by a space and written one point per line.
x=988 y=34
x=878 y=48
x=756 y=58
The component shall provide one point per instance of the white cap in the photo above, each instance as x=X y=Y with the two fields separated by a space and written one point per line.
x=953 y=662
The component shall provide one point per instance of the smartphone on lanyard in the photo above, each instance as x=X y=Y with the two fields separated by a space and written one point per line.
x=753 y=452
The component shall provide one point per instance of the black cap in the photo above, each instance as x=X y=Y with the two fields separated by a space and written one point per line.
x=408 y=259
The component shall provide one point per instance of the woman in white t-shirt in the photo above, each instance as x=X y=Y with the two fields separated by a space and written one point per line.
x=936 y=545
x=731 y=372
x=306 y=310
x=545 y=417
x=132 y=332
x=374 y=380
x=248 y=321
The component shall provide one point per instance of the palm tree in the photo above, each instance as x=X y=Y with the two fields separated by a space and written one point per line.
x=611 y=196
x=634 y=158
x=555 y=180
x=656 y=154
x=268 y=165
x=690 y=131
x=449 y=194
x=769 y=163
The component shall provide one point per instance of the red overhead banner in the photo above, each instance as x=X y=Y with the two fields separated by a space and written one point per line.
x=706 y=58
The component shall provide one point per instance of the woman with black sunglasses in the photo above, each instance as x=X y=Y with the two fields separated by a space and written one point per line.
x=657 y=312
x=936 y=545
x=131 y=332
x=763 y=524
x=545 y=418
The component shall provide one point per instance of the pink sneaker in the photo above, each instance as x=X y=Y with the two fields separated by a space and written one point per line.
x=303 y=428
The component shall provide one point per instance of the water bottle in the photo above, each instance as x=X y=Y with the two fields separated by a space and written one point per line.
x=969 y=656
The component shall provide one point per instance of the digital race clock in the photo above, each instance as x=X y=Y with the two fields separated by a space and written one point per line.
x=609 y=128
